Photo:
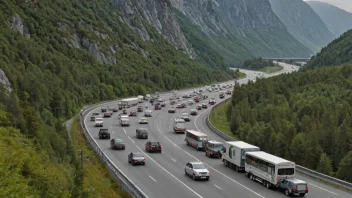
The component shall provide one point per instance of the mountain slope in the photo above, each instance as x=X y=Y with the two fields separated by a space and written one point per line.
x=303 y=23
x=337 y=20
x=57 y=56
x=237 y=29
x=336 y=53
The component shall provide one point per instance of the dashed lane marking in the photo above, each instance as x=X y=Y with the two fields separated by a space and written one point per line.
x=152 y=178
x=323 y=189
x=131 y=140
x=217 y=187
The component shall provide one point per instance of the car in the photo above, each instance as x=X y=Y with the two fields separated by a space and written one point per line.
x=139 y=109
x=124 y=111
x=103 y=109
x=183 y=105
x=172 y=102
x=199 y=107
x=148 y=113
x=212 y=101
x=124 y=120
x=193 y=112
x=179 y=106
x=98 y=122
x=186 y=117
x=117 y=144
x=222 y=95
x=228 y=92
x=172 y=110
x=143 y=120
x=293 y=186
x=204 y=106
x=197 y=170
x=157 y=106
x=133 y=113
x=115 y=109
x=107 y=114
x=142 y=133
x=190 y=102
x=151 y=100
x=196 y=99
x=214 y=149
x=94 y=115
x=163 y=104
x=136 y=158
x=151 y=146
x=104 y=134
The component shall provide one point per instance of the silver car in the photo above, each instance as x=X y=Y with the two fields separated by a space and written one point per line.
x=293 y=186
x=197 y=170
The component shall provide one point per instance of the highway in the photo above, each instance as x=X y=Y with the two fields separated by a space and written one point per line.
x=163 y=175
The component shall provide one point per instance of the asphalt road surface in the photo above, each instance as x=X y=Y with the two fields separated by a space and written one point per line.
x=163 y=175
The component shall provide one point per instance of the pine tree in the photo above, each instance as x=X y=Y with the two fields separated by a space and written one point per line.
x=345 y=168
x=325 y=165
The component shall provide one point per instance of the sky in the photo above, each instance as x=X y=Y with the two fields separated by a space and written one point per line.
x=343 y=4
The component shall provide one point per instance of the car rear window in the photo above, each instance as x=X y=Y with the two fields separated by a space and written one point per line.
x=104 y=130
x=154 y=143
x=137 y=155
x=142 y=130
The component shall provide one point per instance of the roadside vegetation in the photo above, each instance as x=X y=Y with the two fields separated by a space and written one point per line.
x=97 y=181
x=304 y=117
x=258 y=64
x=271 y=69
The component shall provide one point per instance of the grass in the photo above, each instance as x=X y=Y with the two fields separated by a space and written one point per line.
x=241 y=75
x=219 y=119
x=97 y=180
x=271 y=69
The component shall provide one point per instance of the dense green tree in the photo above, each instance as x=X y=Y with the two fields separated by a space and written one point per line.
x=345 y=171
x=325 y=165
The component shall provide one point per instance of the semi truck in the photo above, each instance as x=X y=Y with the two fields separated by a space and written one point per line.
x=234 y=154
x=128 y=102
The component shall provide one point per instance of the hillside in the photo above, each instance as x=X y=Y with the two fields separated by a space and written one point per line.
x=337 y=20
x=336 y=53
x=302 y=23
x=57 y=56
x=303 y=116
x=236 y=30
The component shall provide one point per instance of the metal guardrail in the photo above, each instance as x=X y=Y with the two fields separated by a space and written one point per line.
x=124 y=181
x=306 y=171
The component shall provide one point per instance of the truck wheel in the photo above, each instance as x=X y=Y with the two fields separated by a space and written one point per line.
x=287 y=193
x=267 y=185
x=236 y=168
x=251 y=177
x=302 y=194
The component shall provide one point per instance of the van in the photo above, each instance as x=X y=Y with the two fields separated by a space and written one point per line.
x=125 y=121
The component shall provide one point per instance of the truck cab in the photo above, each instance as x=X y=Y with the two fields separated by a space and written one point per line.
x=214 y=149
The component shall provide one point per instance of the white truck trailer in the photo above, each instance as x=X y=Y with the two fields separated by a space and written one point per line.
x=140 y=98
x=128 y=102
x=234 y=155
x=268 y=169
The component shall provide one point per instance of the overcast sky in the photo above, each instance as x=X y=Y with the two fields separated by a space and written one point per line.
x=343 y=4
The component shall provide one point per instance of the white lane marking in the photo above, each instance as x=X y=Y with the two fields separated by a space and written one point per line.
x=113 y=131
x=259 y=195
x=217 y=187
x=131 y=139
x=173 y=159
x=124 y=130
x=152 y=178
x=169 y=173
x=323 y=189
x=195 y=120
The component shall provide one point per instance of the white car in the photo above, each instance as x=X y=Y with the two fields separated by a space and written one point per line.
x=197 y=170
x=143 y=120
x=98 y=122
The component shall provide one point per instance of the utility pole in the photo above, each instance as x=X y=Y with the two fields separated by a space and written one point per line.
x=80 y=153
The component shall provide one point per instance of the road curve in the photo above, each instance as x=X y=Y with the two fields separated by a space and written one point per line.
x=163 y=175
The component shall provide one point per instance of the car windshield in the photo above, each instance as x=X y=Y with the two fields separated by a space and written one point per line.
x=98 y=119
x=142 y=130
x=218 y=146
x=155 y=143
x=118 y=141
x=199 y=166
x=185 y=114
x=124 y=120
x=137 y=155
x=143 y=119
x=104 y=130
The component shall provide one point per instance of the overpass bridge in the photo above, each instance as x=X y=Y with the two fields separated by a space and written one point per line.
x=296 y=61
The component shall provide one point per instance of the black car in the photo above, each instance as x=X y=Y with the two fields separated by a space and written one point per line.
x=204 y=106
x=133 y=113
x=194 y=112
x=104 y=134
x=163 y=104
x=153 y=147
x=228 y=92
x=103 y=109
x=136 y=158
x=142 y=133
x=172 y=110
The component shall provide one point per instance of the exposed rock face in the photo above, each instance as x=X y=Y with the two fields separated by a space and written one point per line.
x=5 y=81
x=157 y=13
x=18 y=24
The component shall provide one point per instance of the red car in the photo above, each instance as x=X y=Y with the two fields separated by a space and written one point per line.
x=196 y=100
x=153 y=147
x=117 y=144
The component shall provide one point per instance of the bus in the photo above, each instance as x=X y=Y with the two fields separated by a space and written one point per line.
x=268 y=169
x=196 y=139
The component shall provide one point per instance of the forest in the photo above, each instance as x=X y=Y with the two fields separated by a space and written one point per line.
x=51 y=81
x=256 y=64
x=304 y=116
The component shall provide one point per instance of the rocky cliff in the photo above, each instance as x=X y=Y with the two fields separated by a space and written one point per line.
x=303 y=23
x=237 y=29
x=158 y=13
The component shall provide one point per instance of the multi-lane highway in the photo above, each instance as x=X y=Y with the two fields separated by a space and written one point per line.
x=163 y=175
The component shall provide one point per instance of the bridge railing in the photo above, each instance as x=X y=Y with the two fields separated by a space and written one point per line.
x=301 y=169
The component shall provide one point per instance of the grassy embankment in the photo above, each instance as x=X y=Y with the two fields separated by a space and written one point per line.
x=271 y=69
x=97 y=180
x=219 y=119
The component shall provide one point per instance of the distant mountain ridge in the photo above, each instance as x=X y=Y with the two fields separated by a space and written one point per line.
x=303 y=23
x=337 y=20
x=236 y=29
